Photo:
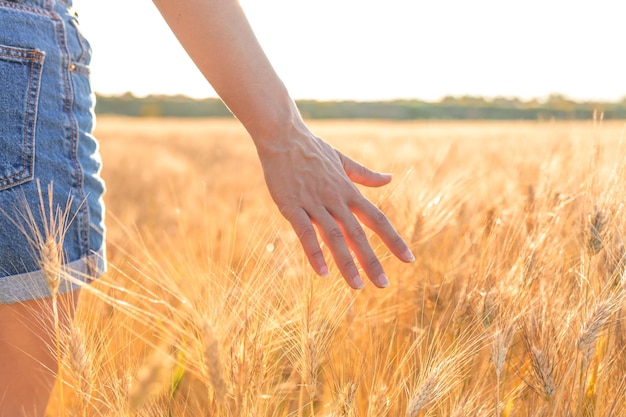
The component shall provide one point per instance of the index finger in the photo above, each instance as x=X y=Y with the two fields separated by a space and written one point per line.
x=372 y=217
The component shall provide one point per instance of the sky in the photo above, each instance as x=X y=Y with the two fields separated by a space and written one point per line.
x=382 y=50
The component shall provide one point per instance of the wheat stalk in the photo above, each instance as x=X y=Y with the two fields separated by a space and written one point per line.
x=499 y=349
x=149 y=379
x=424 y=394
x=213 y=364
x=344 y=404
x=592 y=326
x=80 y=366
x=597 y=222
x=544 y=367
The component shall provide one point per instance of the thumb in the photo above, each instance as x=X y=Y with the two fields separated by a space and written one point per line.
x=360 y=174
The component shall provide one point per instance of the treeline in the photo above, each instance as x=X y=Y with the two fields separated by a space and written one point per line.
x=555 y=106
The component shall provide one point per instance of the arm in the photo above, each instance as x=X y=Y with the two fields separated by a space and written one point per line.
x=310 y=182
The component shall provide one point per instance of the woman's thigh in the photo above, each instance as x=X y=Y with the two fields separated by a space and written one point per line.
x=28 y=363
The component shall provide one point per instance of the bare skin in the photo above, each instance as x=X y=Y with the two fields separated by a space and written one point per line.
x=28 y=363
x=312 y=183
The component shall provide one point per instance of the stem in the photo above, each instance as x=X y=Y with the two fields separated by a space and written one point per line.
x=301 y=399
x=57 y=334
x=497 y=395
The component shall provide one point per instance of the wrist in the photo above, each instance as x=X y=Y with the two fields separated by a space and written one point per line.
x=276 y=126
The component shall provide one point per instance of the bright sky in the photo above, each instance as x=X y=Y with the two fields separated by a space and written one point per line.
x=383 y=49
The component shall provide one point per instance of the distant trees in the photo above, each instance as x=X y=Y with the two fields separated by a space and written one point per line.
x=160 y=106
x=556 y=106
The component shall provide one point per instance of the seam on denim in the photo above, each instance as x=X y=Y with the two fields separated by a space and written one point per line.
x=36 y=57
x=79 y=68
x=28 y=123
x=25 y=54
x=82 y=215
x=27 y=8
x=84 y=49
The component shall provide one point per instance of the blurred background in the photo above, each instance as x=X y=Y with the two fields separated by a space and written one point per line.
x=372 y=50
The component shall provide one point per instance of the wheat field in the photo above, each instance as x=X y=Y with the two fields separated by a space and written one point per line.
x=513 y=307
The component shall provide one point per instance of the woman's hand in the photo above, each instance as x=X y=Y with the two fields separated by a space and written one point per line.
x=313 y=184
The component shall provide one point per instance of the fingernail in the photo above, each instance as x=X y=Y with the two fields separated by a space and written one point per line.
x=408 y=256
x=323 y=271
x=382 y=281
x=357 y=282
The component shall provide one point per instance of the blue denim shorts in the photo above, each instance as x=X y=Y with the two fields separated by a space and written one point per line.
x=50 y=184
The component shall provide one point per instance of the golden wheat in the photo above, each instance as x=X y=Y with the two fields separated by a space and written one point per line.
x=513 y=306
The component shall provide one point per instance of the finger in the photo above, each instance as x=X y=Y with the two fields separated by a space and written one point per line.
x=361 y=174
x=301 y=224
x=333 y=236
x=376 y=221
x=357 y=240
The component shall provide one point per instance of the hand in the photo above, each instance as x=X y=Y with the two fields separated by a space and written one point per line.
x=313 y=184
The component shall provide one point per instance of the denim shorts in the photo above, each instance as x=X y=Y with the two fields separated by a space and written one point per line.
x=50 y=184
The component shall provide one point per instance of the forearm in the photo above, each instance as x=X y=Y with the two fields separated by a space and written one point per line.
x=218 y=38
x=310 y=182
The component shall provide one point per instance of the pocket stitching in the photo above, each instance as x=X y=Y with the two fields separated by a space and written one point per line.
x=28 y=147
x=26 y=8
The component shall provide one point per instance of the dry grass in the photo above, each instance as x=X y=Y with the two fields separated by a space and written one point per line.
x=513 y=307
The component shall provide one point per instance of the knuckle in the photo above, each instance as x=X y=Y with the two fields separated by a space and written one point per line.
x=335 y=234
x=307 y=232
x=398 y=242
x=334 y=199
x=358 y=234
x=349 y=264
x=380 y=218
x=374 y=263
